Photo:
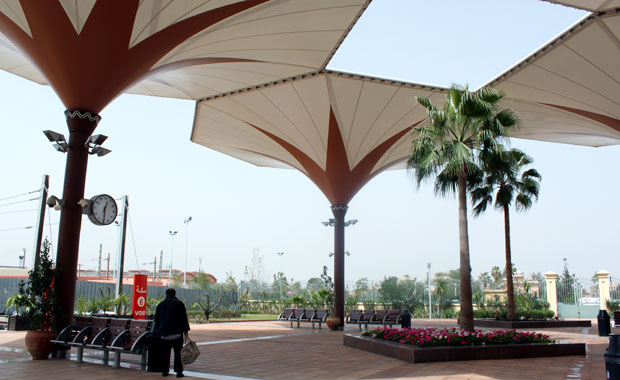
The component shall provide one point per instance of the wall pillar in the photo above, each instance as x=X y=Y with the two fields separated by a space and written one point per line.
x=551 y=279
x=604 y=293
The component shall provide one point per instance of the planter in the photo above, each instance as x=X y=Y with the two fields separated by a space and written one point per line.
x=415 y=354
x=18 y=323
x=39 y=345
x=333 y=323
x=493 y=323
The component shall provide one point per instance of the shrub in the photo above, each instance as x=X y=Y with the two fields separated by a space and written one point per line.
x=522 y=315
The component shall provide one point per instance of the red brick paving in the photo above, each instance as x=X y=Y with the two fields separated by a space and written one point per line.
x=307 y=354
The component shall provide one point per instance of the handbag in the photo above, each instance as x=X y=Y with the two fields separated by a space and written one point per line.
x=189 y=352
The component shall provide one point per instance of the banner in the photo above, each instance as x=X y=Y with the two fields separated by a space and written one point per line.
x=139 y=296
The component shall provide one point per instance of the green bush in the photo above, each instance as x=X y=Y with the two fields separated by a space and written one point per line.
x=522 y=315
x=226 y=313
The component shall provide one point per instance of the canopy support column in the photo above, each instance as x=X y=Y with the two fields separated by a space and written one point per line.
x=81 y=125
x=339 y=212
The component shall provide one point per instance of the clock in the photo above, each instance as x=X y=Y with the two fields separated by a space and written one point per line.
x=102 y=210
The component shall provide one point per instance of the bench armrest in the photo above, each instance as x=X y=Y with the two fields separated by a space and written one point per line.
x=118 y=341
x=98 y=339
x=139 y=344
x=63 y=336
x=80 y=337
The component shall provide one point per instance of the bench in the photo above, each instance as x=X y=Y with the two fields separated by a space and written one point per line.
x=312 y=316
x=87 y=334
x=374 y=317
x=387 y=317
x=286 y=314
x=132 y=341
x=68 y=334
x=104 y=339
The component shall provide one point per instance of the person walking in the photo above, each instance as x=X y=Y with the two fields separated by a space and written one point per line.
x=171 y=323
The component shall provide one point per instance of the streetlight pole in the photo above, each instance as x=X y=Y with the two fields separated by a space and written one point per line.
x=280 y=280
x=186 y=222
x=430 y=305
x=172 y=235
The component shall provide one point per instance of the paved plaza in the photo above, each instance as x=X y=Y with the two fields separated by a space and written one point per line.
x=272 y=350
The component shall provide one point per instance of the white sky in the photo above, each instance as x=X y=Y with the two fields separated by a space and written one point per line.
x=237 y=207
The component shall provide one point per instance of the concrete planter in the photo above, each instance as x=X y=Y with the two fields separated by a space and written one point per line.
x=492 y=323
x=414 y=354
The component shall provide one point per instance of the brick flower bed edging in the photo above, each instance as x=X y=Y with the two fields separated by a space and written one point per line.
x=530 y=324
x=415 y=354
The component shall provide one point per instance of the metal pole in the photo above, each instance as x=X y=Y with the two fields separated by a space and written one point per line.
x=430 y=304
x=107 y=270
x=161 y=260
x=40 y=222
x=99 y=266
x=172 y=234
x=186 y=222
x=121 y=259
x=154 y=268
x=280 y=280
x=24 y=258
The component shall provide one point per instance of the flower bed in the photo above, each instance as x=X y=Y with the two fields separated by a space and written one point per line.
x=431 y=337
x=433 y=345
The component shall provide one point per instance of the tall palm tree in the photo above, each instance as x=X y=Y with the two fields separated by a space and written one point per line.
x=506 y=180
x=448 y=149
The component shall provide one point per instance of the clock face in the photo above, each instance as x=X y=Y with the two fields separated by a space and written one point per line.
x=103 y=210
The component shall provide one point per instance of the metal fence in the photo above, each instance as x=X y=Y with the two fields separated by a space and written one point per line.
x=577 y=291
x=614 y=288
x=86 y=289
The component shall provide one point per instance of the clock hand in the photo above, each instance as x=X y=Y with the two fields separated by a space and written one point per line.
x=104 y=208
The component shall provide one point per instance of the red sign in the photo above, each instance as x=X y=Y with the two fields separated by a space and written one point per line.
x=139 y=296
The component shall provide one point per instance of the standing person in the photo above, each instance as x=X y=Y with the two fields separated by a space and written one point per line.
x=171 y=323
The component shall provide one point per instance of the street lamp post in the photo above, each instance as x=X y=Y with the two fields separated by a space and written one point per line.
x=280 y=280
x=186 y=222
x=172 y=235
x=430 y=305
x=339 y=224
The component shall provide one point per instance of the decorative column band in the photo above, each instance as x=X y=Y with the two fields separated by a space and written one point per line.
x=77 y=114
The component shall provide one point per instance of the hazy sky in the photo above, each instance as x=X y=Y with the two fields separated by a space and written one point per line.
x=237 y=207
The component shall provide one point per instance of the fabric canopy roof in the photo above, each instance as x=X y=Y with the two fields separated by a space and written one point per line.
x=342 y=129
x=589 y=5
x=91 y=51
x=570 y=88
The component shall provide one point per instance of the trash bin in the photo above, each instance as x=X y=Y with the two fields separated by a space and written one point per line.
x=406 y=319
x=604 y=326
x=612 y=358
x=154 y=362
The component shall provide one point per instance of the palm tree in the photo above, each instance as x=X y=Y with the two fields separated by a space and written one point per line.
x=506 y=180
x=448 y=148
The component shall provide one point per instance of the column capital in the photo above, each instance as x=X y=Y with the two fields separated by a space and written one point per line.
x=82 y=121
x=602 y=274
x=551 y=275
x=339 y=210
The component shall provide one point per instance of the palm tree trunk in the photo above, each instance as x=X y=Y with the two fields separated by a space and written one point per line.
x=510 y=290
x=467 y=311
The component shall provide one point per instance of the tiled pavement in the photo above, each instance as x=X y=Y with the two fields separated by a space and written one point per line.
x=272 y=350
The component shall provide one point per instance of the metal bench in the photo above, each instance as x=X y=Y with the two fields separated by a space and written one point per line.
x=104 y=339
x=87 y=334
x=132 y=341
x=68 y=334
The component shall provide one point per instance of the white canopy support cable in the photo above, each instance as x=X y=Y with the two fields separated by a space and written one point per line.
x=20 y=195
x=133 y=241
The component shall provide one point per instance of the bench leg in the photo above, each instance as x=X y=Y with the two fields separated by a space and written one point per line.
x=143 y=359
x=80 y=354
x=106 y=357
x=117 y=359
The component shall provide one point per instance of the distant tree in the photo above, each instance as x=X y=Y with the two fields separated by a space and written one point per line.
x=315 y=284
x=485 y=279
x=361 y=288
x=280 y=286
x=496 y=274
